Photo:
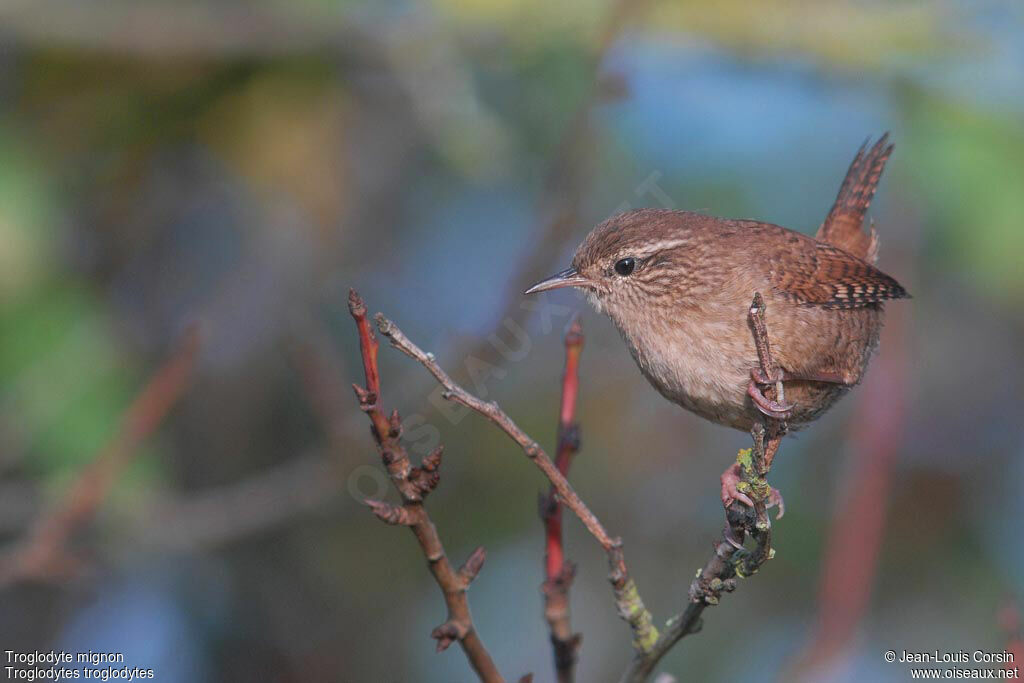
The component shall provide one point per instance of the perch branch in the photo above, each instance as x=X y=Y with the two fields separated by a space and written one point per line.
x=627 y=597
x=43 y=553
x=559 y=573
x=413 y=484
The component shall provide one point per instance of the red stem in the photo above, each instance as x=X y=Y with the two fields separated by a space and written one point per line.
x=567 y=447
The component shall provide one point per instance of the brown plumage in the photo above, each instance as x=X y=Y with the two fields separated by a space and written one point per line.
x=842 y=227
x=678 y=285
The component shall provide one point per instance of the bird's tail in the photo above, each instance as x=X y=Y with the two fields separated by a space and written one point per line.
x=844 y=225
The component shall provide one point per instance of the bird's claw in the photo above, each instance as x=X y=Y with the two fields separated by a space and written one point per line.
x=774 y=409
x=730 y=487
x=731 y=494
x=775 y=500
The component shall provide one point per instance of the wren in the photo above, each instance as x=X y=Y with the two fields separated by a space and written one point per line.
x=678 y=285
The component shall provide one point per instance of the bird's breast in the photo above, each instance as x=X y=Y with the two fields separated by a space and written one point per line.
x=699 y=362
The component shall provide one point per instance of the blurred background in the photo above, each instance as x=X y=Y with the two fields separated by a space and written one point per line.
x=187 y=190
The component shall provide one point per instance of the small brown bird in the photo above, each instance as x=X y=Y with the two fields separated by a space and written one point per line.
x=679 y=285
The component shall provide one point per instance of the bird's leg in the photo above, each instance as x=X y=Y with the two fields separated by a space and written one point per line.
x=773 y=409
x=744 y=482
x=777 y=408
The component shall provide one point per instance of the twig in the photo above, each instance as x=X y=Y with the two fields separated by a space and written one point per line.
x=727 y=562
x=717 y=576
x=414 y=484
x=559 y=573
x=627 y=598
x=769 y=368
x=42 y=554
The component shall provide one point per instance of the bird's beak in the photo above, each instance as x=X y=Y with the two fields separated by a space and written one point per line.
x=567 y=278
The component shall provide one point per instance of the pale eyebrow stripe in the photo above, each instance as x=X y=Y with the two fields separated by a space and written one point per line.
x=654 y=248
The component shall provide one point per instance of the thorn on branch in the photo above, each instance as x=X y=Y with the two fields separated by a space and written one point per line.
x=472 y=566
x=391 y=514
x=432 y=461
x=394 y=425
x=426 y=477
x=424 y=481
x=367 y=400
x=355 y=304
x=447 y=633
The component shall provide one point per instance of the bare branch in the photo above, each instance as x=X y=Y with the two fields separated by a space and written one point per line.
x=627 y=598
x=491 y=410
x=413 y=484
x=393 y=514
x=729 y=561
x=471 y=567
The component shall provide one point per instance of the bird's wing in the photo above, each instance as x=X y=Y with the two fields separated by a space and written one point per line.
x=821 y=274
x=843 y=226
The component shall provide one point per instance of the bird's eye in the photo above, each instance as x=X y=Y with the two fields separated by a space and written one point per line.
x=625 y=266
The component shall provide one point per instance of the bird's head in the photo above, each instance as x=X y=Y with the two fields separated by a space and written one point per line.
x=631 y=262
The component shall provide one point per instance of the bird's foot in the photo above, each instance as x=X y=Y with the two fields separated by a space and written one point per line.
x=730 y=487
x=775 y=500
x=774 y=409
x=731 y=492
